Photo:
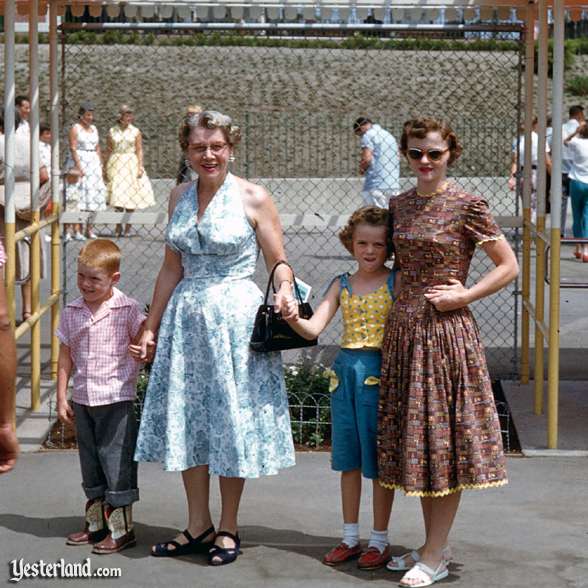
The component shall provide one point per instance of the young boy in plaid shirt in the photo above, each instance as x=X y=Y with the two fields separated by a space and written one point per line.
x=95 y=331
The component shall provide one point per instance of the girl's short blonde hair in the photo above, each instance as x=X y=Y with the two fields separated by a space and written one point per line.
x=210 y=119
x=367 y=215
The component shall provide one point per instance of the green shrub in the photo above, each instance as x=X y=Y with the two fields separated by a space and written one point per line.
x=307 y=386
x=578 y=86
x=569 y=57
x=578 y=46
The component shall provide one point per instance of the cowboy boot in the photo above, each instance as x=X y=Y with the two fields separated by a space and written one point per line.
x=95 y=528
x=120 y=526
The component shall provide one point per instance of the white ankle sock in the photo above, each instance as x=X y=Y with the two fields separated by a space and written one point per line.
x=351 y=534
x=378 y=539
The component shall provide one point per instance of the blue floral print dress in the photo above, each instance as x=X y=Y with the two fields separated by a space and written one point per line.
x=211 y=400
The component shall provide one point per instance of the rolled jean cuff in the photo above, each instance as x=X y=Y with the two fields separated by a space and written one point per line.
x=94 y=492
x=124 y=498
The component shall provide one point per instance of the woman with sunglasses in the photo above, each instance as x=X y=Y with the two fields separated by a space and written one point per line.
x=438 y=430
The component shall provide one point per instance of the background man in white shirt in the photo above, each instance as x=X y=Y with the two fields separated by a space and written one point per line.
x=379 y=164
x=23 y=110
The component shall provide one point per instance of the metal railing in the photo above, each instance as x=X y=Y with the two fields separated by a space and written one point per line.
x=32 y=232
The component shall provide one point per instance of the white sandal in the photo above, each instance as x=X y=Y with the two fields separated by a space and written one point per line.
x=399 y=563
x=424 y=575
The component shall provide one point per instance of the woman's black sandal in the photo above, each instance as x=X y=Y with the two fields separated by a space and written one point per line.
x=226 y=555
x=194 y=545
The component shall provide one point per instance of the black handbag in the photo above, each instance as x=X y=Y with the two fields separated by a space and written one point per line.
x=270 y=331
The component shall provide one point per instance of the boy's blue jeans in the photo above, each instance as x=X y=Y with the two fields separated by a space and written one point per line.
x=579 y=194
x=107 y=436
x=354 y=411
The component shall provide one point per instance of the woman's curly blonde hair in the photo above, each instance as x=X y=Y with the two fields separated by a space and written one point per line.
x=209 y=119
x=367 y=215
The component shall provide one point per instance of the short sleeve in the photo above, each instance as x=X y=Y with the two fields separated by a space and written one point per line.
x=573 y=147
x=367 y=141
x=63 y=329
x=135 y=319
x=45 y=157
x=479 y=225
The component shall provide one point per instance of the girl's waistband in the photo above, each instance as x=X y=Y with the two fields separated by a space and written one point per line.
x=362 y=351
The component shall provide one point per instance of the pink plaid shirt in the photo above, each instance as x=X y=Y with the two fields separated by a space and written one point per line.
x=2 y=255
x=104 y=372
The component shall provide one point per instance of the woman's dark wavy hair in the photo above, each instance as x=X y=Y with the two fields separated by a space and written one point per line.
x=419 y=128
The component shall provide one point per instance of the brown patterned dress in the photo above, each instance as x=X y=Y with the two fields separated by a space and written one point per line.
x=438 y=430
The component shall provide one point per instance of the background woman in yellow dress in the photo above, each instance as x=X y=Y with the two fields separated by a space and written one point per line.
x=129 y=187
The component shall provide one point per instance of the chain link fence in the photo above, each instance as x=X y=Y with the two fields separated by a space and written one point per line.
x=296 y=97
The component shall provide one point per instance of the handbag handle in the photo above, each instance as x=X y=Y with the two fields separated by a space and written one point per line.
x=270 y=282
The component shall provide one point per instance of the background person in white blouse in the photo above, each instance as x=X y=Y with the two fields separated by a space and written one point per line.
x=577 y=143
x=518 y=162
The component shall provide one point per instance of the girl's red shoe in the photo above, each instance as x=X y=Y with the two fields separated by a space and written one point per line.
x=341 y=553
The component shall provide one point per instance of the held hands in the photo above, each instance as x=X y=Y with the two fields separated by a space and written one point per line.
x=512 y=182
x=144 y=350
x=285 y=303
x=448 y=296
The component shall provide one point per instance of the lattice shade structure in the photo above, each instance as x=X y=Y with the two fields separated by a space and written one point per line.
x=165 y=8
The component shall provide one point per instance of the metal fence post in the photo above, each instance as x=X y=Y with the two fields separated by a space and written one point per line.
x=554 y=288
x=527 y=188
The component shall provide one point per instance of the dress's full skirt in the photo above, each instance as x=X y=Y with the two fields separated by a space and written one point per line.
x=211 y=400
x=438 y=431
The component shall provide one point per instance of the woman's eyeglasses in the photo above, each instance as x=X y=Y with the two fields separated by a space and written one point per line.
x=433 y=154
x=215 y=148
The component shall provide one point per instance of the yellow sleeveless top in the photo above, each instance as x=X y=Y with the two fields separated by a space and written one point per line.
x=364 y=316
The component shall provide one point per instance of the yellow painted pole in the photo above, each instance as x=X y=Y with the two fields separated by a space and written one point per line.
x=526 y=265
x=36 y=213
x=10 y=269
x=539 y=374
x=554 y=286
x=55 y=245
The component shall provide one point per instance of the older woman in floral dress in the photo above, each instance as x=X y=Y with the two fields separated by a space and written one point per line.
x=214 y=406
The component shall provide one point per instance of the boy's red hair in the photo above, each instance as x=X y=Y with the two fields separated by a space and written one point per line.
x=101 y=254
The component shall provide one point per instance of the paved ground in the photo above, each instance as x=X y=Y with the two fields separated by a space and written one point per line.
x=531 y=533
x=532 y=428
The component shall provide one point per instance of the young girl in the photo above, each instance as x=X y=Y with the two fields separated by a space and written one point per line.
x=365 y=298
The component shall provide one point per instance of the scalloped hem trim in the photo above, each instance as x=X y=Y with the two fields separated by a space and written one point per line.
x=447 y=492
x=489 y=239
